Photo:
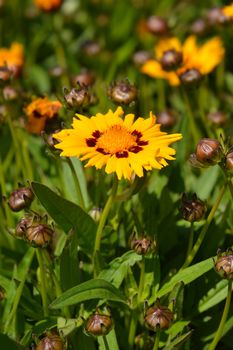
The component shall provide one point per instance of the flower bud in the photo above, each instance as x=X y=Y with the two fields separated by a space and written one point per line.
x=39 y=235
x=166 y=118
x=190 y=77
x=2 y=293
x=95 y=213
x=158 y=316
x=157 y=25
x=215 y=16
x=5 y=73
x=22 y=226
x=209 y=151
x=76 y=98
x=171 y=60
x=51 y=342
x=98 y=324
x=140 y=57
x=196 y=163
x=143 y=245
x=91 y=47
x=192 y=209
x=9 y=93
x=218 y=118
x=199 y=27
x=20 y=198
x=122 y=93
x=84 y=78
x=229 y=161
x=224 y=266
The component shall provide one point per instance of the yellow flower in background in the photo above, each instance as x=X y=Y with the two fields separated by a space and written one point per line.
x=123 y=146
x=12 y=58
x=228 y=11
x=48 y=5
x=39 y=111
x=203 y=58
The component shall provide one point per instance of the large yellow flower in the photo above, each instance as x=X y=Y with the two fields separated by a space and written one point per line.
x=203 y=58
x=12 y=58
x=228 y=11
x=124 y=146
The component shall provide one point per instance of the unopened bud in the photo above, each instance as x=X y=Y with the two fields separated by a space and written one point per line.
x=39 y=235
x=85 y=77
x=157 y=25
x=9 y=93
x=192 y=209
x=76 y=98
x=199 y=27
x=215 y=16
x=51 y=342
x=209 y=151
x=229 y=161
x=5 y=73
x=22 y=226
x=190 y=77
x=91 y=48
x=218 y=118
x=171 y=60
x=140 y=57
x=167 y=119
x=224 y=266
x=158 y=316
x=98 y=324
x=143 y=245
x=20 y=198
x=122 y=92
x=95 y=213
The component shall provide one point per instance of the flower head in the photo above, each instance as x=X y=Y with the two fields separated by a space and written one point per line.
x=39 y=111
x=203 y=58
x=12 y=58
x=48 y=5
x=228 y=11
x=125 y=146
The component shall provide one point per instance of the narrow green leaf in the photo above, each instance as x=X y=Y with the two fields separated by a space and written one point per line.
x=178 y=341
x=9 y=344
x=111 y=340
x=93 y=289
x=67 y=215
x=214 y=296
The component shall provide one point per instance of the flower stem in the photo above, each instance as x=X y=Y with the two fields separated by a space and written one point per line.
x=230 y=186
x=195 y=132
x=39 y=255
x=142 y=278
x=157 y=338
x=77 y=184
x=191 y=237
x=133 y=328
x=219 y=332
x=105 y=343
x=201 y=237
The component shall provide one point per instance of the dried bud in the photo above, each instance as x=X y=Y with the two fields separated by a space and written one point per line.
x=199 y=27
x=2 y=293
x=171 y=60
x=95 y=213
x=39 y=235
x=157 y=25
x=22 y=226
x=76 y=98
x=224 y=266
x=229 y=161
x=122 y=93
x=215 y=16
x=98 y=324
x=196 y=163
x=158 y=316
x=167 y=119
x=85 y=78
x=51 y=342
x=91 y=48
x=192 y=209
x=9 y=93
x=143 y=245
x=140 y=57
x=209 y=151
x=20 y=198
x=218 y=118
x=190 y=77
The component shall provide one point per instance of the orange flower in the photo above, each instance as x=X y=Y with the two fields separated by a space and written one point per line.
x=228 y=11
x=12 y=58
x=39 y=111
x=48 y=5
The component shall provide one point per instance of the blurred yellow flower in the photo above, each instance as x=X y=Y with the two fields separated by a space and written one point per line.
x=203 y=58
x=39 y=111
x=124 y=146
x=48 y=5
x=228 y=11
x=12 y=58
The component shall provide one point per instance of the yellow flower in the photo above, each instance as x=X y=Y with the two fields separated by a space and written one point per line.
x=228 y=11
x=39 y=111
x=12 y=58
x=48 y=5
x=203 y=58
x=124 y=146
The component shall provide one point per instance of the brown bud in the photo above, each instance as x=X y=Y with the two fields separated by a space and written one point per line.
x=158 y=316
x=91 y=47
x=9 y=93
x=5 y=73
x=85 y=77
x=122 y=93
x=144 y=341
x=218 y=118
x=229 y=161
x=199 y=27
x=2 y=293
x=157 y=25
x=224 y=266
x=51 y=342
x=196 y=163
x=76 y=98
x=166 y=118
x=143 y=245
x=95 y=213
x=140 y=57
x=171 y=60
x=20 y=198
x=98 y=324
x=39 y=235
x=22 y=226
x=209 y=151
x=190 y=77
x=215 y=16
x=192 y=209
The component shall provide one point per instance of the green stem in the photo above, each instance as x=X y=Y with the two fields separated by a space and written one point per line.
x=133 y=328
x=157 y=338
x=219 y=332
x=77 y=184
x=39 y=255
x=142 y=278
x=105 y=342
x=201 y=237
x=230 y=186
x=191 y=237
x=195 y=132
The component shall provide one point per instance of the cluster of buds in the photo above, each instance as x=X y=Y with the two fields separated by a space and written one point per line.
x=20 y=199
x=142 y=245
x=98 y=324
x=158 y=316
x=208 y=152
x=122 y=92
x=51 y=342
x=35 y=230
x=192 y=209
x=224 y=264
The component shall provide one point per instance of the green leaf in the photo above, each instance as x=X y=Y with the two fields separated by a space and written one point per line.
x=152 y=276
x=187 y=276
x=214 y=296
x=93 y=289
x=177 y=328
x=111 y=340
x=9 y=344
x=67 y=215
x=178 y=341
